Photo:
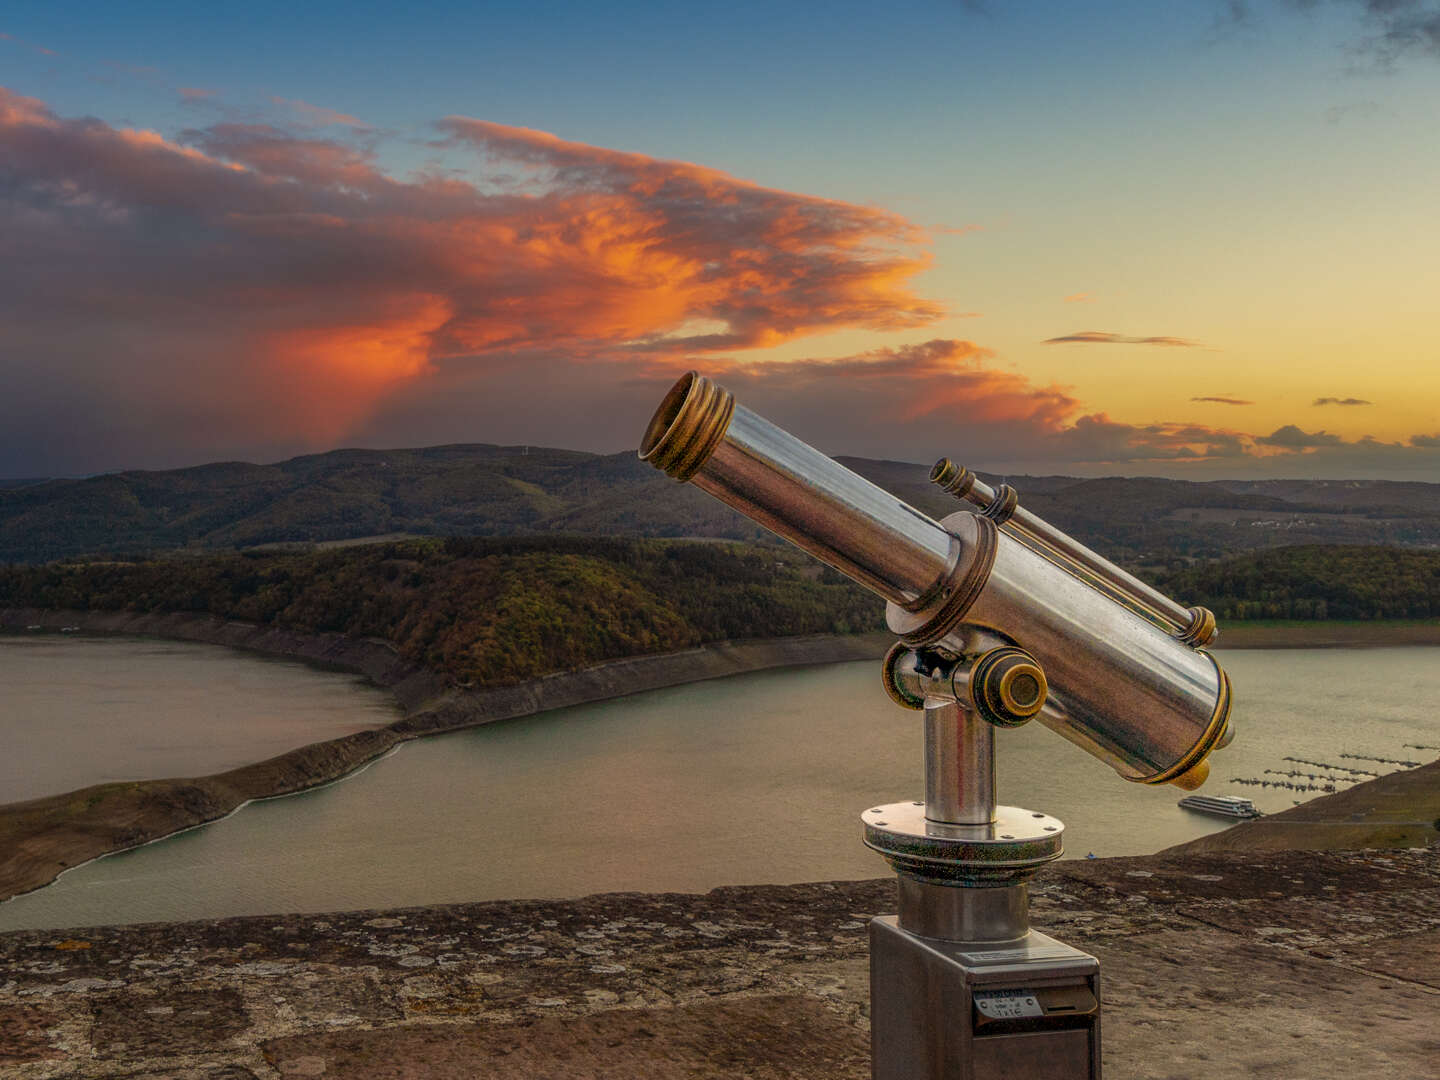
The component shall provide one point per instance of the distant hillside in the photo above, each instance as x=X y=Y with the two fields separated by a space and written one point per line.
x=1316 y=582
x=482 y=490
x=484 y=611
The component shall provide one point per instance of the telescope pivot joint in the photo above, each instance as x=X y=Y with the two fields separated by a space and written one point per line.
x=1003 y=685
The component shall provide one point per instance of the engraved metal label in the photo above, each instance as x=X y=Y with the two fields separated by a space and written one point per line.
x=1008 y=1004
x=1018 y=956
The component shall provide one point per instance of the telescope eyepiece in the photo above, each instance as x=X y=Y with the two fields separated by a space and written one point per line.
x=1008 y=687
x=955 y=479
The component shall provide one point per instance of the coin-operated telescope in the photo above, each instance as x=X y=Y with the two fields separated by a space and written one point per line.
x=1002 y=618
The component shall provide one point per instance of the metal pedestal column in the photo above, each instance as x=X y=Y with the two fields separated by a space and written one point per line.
x=960 y=987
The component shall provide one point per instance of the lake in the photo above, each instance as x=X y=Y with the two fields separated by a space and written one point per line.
x=80 y=710
x=751 y=779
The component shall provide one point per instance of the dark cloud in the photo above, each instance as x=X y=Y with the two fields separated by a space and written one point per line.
x=1219 y=400
x=1103 y=337
x=1293 y=438
x=1340 y=401
x=1401 y=28
x=1393 y=30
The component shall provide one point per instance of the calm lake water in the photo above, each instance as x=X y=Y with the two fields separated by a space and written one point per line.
x=756 y=778
x=76 y=711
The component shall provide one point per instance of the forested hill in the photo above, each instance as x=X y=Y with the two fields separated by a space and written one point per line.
x=484 y=611
x=499 y=610
x=1315 y=582
x=482 y=490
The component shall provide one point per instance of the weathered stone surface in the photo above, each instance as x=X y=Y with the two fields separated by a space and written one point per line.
x=1269 y=964
x=765 y=1038
x=164 y=1019
x=25 y=1034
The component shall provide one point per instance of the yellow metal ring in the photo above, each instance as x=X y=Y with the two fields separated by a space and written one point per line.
x=1201 y=750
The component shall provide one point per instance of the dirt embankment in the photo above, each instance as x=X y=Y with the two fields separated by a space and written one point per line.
x=42 y=838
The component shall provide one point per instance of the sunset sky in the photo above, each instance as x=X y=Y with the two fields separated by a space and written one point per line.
x=1196 y=239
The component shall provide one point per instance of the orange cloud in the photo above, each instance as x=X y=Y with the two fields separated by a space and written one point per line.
x=265 y=267
x=318 y=114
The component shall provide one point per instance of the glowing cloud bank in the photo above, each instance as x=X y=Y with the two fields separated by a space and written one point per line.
x=260 y=287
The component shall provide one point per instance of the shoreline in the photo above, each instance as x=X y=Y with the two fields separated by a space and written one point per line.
x=40 y=839
x=1323 y=634
x=1396 y=810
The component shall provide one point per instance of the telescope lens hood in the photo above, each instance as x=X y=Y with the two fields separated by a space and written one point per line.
x=687 y=426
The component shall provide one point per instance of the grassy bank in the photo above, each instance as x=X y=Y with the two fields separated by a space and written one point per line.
x=1398 y=810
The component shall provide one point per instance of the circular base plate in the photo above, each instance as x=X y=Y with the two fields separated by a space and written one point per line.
x=1011 y=848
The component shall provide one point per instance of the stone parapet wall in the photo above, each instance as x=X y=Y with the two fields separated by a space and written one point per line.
x=1311 y=965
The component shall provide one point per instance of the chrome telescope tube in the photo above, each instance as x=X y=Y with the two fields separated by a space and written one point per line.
x=699 y=434
x=1120 y=687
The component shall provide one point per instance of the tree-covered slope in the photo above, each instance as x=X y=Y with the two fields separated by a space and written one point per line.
x=1316 y=582
x=481 y=610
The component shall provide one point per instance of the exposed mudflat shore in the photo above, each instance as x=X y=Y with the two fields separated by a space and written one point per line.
x=42 y=838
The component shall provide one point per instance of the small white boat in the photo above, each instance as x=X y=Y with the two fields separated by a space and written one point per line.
x=1221 y=805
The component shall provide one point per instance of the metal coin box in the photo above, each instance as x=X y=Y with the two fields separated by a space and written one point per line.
x=1001 y=618
x=1027 y=1010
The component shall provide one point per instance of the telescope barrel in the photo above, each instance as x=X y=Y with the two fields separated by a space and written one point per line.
x=699 y=434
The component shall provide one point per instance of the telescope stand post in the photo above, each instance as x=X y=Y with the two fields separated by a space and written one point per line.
x=959 y=765
x=960 y=987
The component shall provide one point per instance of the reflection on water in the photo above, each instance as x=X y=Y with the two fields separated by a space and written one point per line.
x=756 y=778
x=87 y=710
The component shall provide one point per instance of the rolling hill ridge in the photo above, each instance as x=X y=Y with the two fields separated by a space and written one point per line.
x=484 y=490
